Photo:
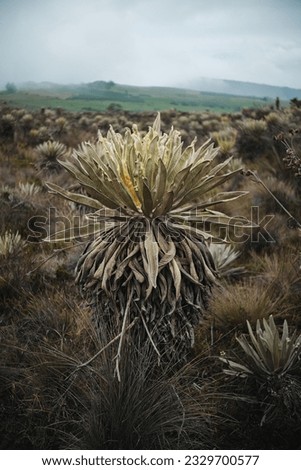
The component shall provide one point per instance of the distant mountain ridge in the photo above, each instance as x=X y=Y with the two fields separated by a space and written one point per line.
x=220 y=96
x=234 y=87
x=208 y=85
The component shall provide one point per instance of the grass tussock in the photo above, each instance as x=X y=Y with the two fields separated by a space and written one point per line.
x=232 y=305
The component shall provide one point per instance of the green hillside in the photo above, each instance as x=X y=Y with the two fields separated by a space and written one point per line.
x=101 y=96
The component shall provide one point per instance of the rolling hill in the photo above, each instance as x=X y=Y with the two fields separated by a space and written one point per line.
x=102 y=96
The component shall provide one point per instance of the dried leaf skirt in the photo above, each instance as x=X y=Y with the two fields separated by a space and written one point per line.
x=156 y=276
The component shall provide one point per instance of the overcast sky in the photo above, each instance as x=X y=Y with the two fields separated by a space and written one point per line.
x=150 y=42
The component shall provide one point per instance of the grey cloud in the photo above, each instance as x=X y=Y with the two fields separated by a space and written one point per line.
x=156 y=42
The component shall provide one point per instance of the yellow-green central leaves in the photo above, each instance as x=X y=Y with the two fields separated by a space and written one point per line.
x=149 y=175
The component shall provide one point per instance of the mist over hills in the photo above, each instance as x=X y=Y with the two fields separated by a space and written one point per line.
x=211 y=85
x=233 y=87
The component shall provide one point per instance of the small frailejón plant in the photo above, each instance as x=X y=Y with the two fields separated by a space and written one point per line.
x=48 y=153
x=11 y=243
x=147 y=268
x=273 y=362
x=223 y=256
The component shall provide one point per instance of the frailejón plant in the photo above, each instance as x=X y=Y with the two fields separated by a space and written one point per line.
x=271 y=362
x=147 y=267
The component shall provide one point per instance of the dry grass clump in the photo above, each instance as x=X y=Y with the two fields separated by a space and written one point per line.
x=44 y=325
x=146 y=409
x=57 y=403
x=277 y=121
x=52 y=321
x=268 y=236
x=225 y=140
x=282 y=270
x=231 y=305
x=252 y=141
x=284 y=195
x=7 y=126
x=17 y=280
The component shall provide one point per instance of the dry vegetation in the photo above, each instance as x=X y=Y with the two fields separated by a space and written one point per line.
x=49 y=400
